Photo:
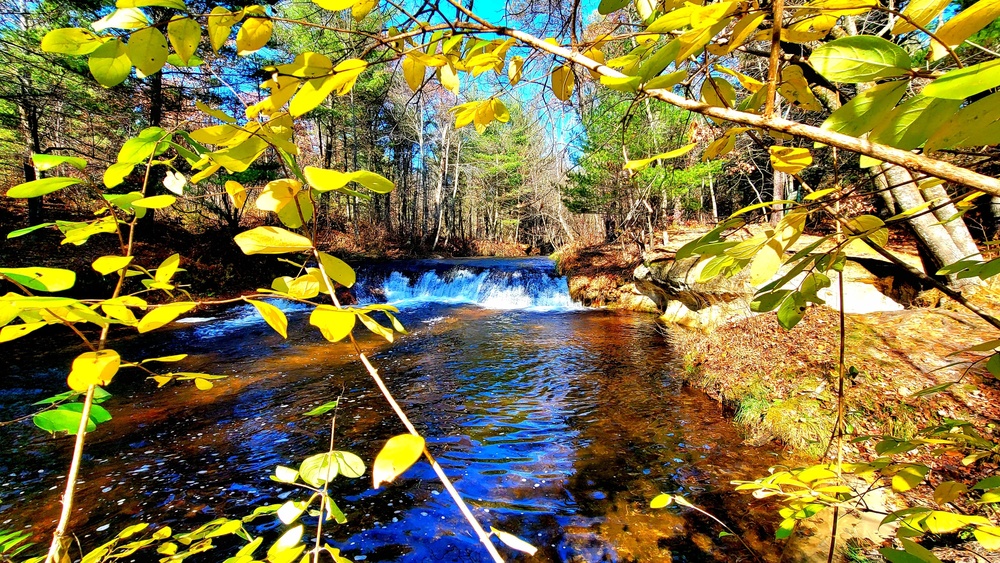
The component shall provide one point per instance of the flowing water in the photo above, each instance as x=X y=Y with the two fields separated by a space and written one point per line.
x=556 y=423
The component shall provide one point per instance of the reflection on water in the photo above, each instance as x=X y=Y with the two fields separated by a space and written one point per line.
x=556 y=426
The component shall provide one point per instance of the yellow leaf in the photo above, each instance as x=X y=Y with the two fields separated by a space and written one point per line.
x=795 y=88
x=41 y=279
x=413 y=72
x=147 y=49
x=922 y=12
x=107 y=264
x=562 y=82
x=109 y=63
x=765 y=263
x=398 y=454
x=155 y=202
x=324 y=180
x=184 y=34
x=746 y=27
x=220 y=25
x=694 y=41
x=959 y=28
x=93 y=368
x=304 y=287
x=790 y=160
x=362 y=9
x=306 y=65
x=448 y=78
x=277 y=194
x=640 y=164
x=988 y=537
x=949 y=491
x=239 y=157
x=216 y=113
x=335 y=5
x=334 y=323
x=514 y=69
x=253 y=35
x=274 y=316
x=163 y=315
x=484 y=116
x=166 y=270
x=287 y=548
x=271 y=240
x=338 y=270
x=751 y=84
x=123 y=18
x=202 y=384
x=237 y=193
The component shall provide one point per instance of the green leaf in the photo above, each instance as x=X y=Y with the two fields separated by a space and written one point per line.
x=42 y=279
x=273 y=316
x=666 y=81
x=163 y=315
x=61 y=420
x=867 y=109
x=147 y=49
x=398 y=454
x=993 y=365
x=988 y=483
x=972 y=126
x=785 y=529
x=861 y=58
x=45 y=162
x=323 y=468
x=791 y=310
x=322 y=409
x=271 y=240
x=334 y=323
x=71 y=41
x=148 y=143
x=109 y=63
x=608 y=6
x=338 y=270
x=912 y=122
x=41 y=187
x=658 y=61
x=26 y=230
x=961 y=83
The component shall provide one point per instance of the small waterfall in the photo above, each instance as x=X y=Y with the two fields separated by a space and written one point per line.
x=488 y=283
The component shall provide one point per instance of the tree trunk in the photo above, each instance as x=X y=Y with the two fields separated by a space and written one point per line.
x=937 y=239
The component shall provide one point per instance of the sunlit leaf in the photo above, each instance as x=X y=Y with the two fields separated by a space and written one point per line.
x=253 y=35
x=107 y=264
x=147 y=49
x=322 y=409
x=271 y=240
x=921 y=12
x=42 y=186
x=93 y=368
x=71 y=41
x=398 y=454
x=164 y=314
x=287 y=548
x=790 y=160
x=660 y=501
x=964 y=25
x=642 y=163
x=334 y=323
x=562 y=81
x=860 y=58
x=45 y=162
x=41 y=279
x=274 y=316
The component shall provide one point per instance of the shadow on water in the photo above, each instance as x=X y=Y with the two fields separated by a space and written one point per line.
x=557 y=424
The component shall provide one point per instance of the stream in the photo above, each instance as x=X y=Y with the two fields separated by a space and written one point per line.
x=556 y=423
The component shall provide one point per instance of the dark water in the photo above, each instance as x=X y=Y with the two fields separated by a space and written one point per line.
x=557 y=424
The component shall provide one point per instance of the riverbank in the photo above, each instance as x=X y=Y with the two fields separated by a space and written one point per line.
x=781 y=386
